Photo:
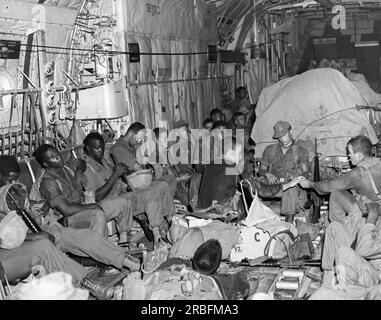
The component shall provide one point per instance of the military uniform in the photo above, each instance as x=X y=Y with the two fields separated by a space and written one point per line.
x=286 y=166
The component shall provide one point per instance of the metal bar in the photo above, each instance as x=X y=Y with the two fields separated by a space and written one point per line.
x=9 y=146
x=23 y=123
x=31 y=124
x=26 y=77
x=70 y=78
x=27 y=58
x=16 y=142
x=175 y=81
x=43 y=118
x=36 y=124
x=279 y=57
x=27 y=143
x=10 y=121
x=54 y=89
x=27 y=130
x=39 y=59
x=268 y=69
x=275 y=21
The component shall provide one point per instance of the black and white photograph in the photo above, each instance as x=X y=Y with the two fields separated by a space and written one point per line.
x=190 y=158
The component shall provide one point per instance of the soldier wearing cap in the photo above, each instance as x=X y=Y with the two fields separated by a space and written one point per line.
x=283 y=161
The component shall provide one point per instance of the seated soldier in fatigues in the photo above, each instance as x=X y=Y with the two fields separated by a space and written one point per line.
x=46 y=248
x=221 y=178
x=283 y=161
x=103 y=179
x=353 y=238
x=62 y=189
x=156 y=200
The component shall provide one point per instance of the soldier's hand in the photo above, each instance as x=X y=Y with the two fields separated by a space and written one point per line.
x=119 y=169
x=295 y=181
x=305 y=184
x=272 y=179
x=81 y=165
x=184 y=177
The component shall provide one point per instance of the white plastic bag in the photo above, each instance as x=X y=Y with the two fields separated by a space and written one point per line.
x=12 y=231
x=259 y=213
x=54 y=286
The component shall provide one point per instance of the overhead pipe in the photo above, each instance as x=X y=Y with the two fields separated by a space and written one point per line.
x=129 y=84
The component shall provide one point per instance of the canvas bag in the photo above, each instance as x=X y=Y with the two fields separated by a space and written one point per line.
x=181 y=283
x=181 y=224
x=251 y=244
x=187 y=234
x=252 y=239
x=258 y=230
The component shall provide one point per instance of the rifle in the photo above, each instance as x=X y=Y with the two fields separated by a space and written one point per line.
x=27 y=218
x=315 y=197
x=270 y=263
x=295 y=265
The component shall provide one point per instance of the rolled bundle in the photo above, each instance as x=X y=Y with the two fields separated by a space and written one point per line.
x=287 y=285
x=298 y=274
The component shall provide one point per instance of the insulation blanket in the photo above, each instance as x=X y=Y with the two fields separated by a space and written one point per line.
x=318 y=104
x=175 y=27
x=175 y=19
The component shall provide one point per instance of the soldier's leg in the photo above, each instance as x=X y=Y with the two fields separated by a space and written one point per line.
x=353 y=270
x=18 y=262
x=90 y=219
x=87 y=243
x=289 y=203
x=120 y=209
x=369 y=242
x=341 y=202
x=336 y=236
